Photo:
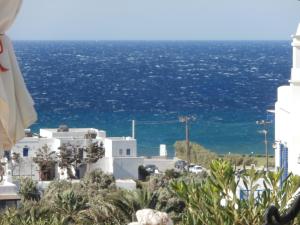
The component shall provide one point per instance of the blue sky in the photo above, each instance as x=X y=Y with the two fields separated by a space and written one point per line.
x=156 y=20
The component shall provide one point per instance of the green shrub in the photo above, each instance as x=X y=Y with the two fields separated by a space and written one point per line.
x=28 y=190
x=214 y=201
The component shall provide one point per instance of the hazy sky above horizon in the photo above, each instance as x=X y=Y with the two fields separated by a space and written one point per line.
x=156 y=20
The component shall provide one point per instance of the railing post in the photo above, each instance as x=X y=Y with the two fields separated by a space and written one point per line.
x=272 y=216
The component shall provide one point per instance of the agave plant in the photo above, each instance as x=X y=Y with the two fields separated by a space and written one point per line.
x=129 y=202
x=28 y=190
x=103 y=211
x=70 y=207
x=9 y=216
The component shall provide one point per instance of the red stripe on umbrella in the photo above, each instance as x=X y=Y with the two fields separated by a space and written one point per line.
x=2 y=68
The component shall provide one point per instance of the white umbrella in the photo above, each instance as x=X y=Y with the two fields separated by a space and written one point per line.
x=16 y=105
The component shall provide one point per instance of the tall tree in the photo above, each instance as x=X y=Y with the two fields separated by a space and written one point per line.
x=46 y=160
x=71 y=157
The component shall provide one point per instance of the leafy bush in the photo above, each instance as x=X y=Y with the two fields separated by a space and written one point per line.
x=98 y=180
x=189 y=199
x=214 y=201
x=28 y=190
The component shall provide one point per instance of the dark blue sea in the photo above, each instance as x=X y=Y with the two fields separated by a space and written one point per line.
x=227 y=86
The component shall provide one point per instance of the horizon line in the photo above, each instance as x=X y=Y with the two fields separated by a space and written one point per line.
x=153 y=40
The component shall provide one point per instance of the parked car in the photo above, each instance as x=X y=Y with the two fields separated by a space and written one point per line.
x=196 y=169
x=180 y=164
x=190 y=167
x=151 y=169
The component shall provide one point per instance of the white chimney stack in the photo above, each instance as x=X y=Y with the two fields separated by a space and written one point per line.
x=163 y=151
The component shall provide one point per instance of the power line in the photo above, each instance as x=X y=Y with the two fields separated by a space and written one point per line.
x=148 y=147
x=156 y=122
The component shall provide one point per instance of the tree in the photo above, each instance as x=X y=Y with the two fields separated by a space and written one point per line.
x=94 y=150
x=69 y=157
x=46 y=160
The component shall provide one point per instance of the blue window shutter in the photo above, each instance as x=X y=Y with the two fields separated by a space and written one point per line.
x=284 y=164
x=25 y=152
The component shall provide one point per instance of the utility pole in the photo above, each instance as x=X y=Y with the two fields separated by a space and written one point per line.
x=133 y=129
x=186 y=119
x=264 y=123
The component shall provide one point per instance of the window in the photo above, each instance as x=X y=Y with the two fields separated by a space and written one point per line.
x=120 y=151
x=128 y=151
x=25 y=151
x=284 y=162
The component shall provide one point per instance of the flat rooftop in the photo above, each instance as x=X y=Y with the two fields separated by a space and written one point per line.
x=121 y=138
x=54 y=130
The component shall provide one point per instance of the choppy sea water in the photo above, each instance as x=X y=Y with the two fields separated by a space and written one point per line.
x=227 y=86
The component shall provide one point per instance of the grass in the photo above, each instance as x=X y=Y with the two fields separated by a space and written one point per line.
x=203 y=156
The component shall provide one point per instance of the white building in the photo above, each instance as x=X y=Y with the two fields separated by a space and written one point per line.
x=120 y=158
x=287 y=119
x=27 y=149
x=120 y=152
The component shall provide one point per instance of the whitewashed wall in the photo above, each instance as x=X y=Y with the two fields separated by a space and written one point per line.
x=127 y=168
x=287 y=113
x=105 y=164
x=120 y=168
x=117 y=147
x=26 y=167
